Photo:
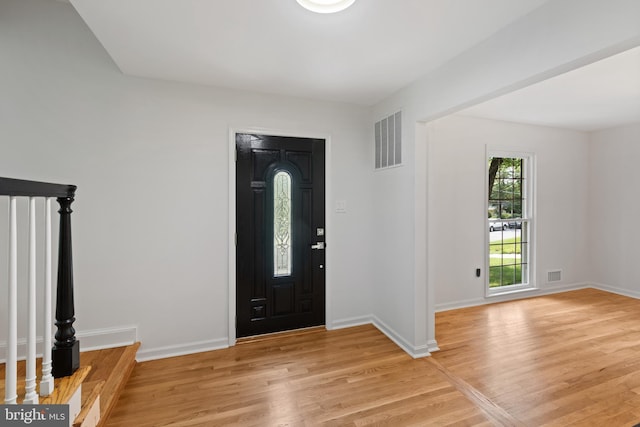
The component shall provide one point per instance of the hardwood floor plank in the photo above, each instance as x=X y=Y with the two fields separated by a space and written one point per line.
x=563 y=359
x=496 y=414
x=353 y=376
x=569 y=359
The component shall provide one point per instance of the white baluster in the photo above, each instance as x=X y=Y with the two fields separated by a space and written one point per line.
x=46 y=383
x=11 y=368
x=31 y=397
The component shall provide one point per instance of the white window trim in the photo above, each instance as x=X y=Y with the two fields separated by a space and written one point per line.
x=529 y=208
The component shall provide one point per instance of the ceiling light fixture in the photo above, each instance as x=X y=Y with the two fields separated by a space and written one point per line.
x=325 y=6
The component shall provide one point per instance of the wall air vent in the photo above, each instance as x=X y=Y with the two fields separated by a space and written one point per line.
x=388 y=138
x=554 y=276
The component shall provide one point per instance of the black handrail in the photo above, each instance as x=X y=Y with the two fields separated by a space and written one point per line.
x=24 y=188
x=65 y=354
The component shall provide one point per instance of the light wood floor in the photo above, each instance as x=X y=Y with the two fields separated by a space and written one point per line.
x=110 y=368
x=561 y=360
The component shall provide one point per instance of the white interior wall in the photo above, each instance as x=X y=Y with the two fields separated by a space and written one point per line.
x=68 y=110
x=458 y=218
x=614 y=209
x=559 y=36
x=393 y=257
x=151 y=162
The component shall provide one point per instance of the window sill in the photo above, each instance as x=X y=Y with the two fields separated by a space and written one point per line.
x=507 y=290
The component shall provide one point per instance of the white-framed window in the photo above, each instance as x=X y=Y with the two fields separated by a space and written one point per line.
x=510 y=225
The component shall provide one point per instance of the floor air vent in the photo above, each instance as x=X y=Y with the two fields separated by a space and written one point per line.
x=554 y=276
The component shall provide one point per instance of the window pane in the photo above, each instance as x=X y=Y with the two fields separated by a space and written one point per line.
x=506 y=184
x=507 y=223
x=282 y=224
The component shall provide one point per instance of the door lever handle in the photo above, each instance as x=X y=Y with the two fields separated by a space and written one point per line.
x=319 y=245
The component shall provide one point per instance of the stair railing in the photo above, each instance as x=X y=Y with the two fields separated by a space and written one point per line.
x=64 y=357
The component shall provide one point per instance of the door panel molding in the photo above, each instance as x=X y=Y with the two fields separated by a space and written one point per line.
x=257 y=275
x=233 y=130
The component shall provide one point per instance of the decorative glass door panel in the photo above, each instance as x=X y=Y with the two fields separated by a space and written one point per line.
x=282 y=224
x=280 y=256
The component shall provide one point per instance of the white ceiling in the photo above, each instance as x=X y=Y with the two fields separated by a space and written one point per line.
x=601 y=95
x=360 y=55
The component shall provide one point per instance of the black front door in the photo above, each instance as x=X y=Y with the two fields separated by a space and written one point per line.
x=280 y=234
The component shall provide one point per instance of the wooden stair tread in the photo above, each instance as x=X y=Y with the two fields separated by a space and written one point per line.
x=108 y=369
x=65 y=387
x=116 y=382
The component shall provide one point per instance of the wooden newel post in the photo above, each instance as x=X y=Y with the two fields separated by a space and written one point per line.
x=66 y=349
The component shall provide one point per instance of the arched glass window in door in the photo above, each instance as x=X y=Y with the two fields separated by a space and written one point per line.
x=282 y=224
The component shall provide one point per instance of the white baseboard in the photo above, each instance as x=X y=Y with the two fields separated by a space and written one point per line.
x=96 y=339
x=454 y=305
x=615 y=290
x=99 y=339
x=413 y=351
x=351 y=322
x=432 y=346
x=198 y=347
x=547 y=290
x=181 y=349
x=117 y=337
x=217 y=344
